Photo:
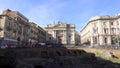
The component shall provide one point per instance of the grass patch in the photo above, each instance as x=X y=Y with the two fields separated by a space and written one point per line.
x=114 y=60
x=98 y=54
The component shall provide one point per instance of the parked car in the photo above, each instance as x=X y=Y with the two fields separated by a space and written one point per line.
x=49 y=45
x=40 y=44
x=12 y=45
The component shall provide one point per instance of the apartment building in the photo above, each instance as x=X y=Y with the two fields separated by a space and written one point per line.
x=38 y=34
x=23 y=26
x=101 y=30
x=15 y=28
x=34 y=32
x=41 y=35
x=8 y=29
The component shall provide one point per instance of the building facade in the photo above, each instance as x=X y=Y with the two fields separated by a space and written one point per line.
x=15 y=28
x=8 y=30
x=38 y=34
x=60 y=33
x=77 y=38
x=41 y=35
x=22 y=26
x=34 y=32
x=101 y=30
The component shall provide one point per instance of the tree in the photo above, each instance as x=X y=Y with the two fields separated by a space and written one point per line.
x=116 y=39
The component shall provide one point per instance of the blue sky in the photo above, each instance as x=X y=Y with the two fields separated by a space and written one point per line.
x=78 y=12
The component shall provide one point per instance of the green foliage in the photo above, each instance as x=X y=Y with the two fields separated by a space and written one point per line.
x=98 y=54
x=115 y=60
x=116 y=39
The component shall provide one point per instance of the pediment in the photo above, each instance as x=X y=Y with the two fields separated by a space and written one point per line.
x=59 y=26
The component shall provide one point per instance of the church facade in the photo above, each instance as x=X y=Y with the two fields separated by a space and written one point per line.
x=60 y=33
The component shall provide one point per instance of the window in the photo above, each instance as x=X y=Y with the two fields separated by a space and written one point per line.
x=113 y=30
x=105 y=30
x=95 y=40
x=112 y=40
x=105 y=39
x=104 y=23
x=111 y=23
x=95 y=30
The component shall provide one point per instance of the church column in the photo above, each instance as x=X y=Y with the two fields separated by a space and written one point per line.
x=92 y=40
x=55 y=34
x=65 y=37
